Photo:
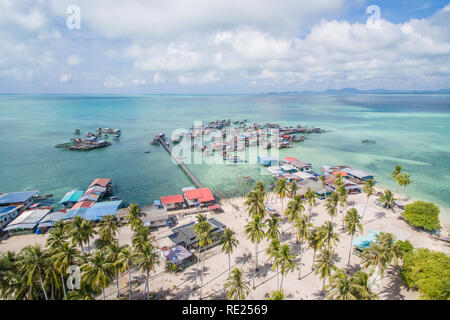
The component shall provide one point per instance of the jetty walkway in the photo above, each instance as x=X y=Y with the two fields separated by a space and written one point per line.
x=181 y=164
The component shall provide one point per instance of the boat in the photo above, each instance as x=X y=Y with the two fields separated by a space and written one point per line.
x=235 y=159
x=116 y=136
x=105 y=136
x=147 y=152
x=368 y=141
x=77 y=131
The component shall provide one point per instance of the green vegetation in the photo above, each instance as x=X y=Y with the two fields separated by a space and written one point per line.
x=422 y=214
x=237 y=288
x=429 y=272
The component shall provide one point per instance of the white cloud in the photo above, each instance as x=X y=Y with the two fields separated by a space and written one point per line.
x=139 y=82
x=112 y=82
x=65 y=78
x=158 y=78
x=73 y=60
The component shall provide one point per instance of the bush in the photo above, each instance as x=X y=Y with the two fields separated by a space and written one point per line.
x=404 y=247
x=172 y=267
x=429 y=272
x=422 y=214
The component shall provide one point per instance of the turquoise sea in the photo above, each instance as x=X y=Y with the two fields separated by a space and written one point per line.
x=410 y=130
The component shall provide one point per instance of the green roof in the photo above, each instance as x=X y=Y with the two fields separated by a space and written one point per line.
x=72 y=196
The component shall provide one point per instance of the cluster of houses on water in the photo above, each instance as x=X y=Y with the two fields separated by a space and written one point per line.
x=295 y=170
x=216 y=137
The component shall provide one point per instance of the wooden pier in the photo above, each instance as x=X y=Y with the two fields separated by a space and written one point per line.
x=181 y=164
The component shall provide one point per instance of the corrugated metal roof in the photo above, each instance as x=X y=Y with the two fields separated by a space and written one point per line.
x=17 y=197
x=72 y=196
x=28 y=218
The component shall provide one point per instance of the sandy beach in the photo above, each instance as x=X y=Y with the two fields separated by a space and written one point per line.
x=180 y=286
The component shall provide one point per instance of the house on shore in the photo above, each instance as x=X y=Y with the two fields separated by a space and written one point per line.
x=179 y=255
x=360 y=176
x=49 y=221
x=186 y=237
x=24 y=199
x=172 y=202
x=8 y=214
x=302 y=166
x=155 y=217
x=28 y=221
x=71 y=198
x=199 y=197
x=103 y=182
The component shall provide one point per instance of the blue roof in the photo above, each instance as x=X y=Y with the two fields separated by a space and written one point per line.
x=16 y=197
x=74 y=213
x=72 y=196
x=6 y=210
x=100 y=209
x=364 y=242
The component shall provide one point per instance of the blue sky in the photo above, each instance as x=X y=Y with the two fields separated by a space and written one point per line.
x=216 y=46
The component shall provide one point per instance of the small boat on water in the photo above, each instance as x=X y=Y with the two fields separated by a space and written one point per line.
x=236 y=159
x=368 y=141
x=77 y=131
x=116 y=136
x=105 y=136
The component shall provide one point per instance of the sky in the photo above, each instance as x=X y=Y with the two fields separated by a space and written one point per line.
x=222 y=46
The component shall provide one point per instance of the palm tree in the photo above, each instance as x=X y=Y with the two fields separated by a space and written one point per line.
x=303 y=226
x=32 y=263
x=141 y=236
x=76 y=232
x=387 y=198
x=332 y=205
x=255 y=232
x=295 y=207
x=127 y=260
x=313 y=243
x=147 y=259
x=201 y=223
x=362 y=288
x=338 y=180
x=310 y=197
x=98 y=270
x=276 y=295
x=204 y=236
x=229 y=242
x=369 y=190
x=343 y=199
x=260 y=188
x=65 y=255
x=324 y=266
x=282 y=190
x=292 y=189
x=135 y=216
x=237 y=288
x=404 y=179
x=381 y=253
x=273 y=228
x=352 y=225
x=255 y=204
x=326 y=235
x=396 y=172
x=113 y=251
x=323 y=182
x=108 y=228
x=273 y=252
x=342 y=286
x=286 y=260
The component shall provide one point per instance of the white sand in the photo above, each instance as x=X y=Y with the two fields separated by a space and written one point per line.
x=180 y=286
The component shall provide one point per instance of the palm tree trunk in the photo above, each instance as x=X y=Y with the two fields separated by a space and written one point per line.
x=201 y=279
x=103 y=290
x=323 y=286
x=350 y=253
x=43 y=288
x=147 y=289
x=278 y=282
x=196 y=269
x=117 y=283
x=62 y=281
x=229 y=264
x=256 y=254
x=362 y=218
x=314 y=260
x=300 y=263
x=282 y=278
x=129 y=282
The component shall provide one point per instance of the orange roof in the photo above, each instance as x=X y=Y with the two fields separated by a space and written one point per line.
x=100 y=182
x=83 y=204
x=343 y=173
x=201 y=195
x=290 y=159
x=172 y=199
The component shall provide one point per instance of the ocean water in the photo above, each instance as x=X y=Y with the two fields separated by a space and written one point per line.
x=410 y=130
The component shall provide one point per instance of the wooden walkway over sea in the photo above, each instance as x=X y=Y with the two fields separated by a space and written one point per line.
x=181 y=164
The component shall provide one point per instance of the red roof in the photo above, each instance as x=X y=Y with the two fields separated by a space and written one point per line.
x=172 y=199
x=343 y=173
x=290 y=159
x=83 y=204
x=100 y=182
x=214 y=207
x=201 y=195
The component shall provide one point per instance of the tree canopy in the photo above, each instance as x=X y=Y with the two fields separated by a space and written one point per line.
x=422 y=214
x=427 y=271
